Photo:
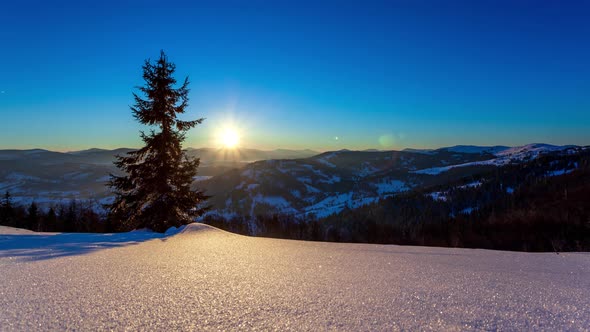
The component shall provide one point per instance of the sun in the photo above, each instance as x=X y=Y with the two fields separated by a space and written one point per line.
x=230 y=138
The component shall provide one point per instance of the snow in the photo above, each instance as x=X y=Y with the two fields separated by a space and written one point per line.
x=206 y=279
x=559 y=172
x=12 y=231
x=438 y=170
x=16 y=176
x=330 y=179
x=470 y=185
x=503 y=157
x=367 y=169
x=304 y=179
x=25 y=245
x=311 y=189
x=330 y=205
x=252 y=186
x=337 y=202
x=532 y=149
x=104 y=179
x=467 y=210
x=438 y=196
x=277 y=202
x=324 y=159
x=392 y=186
x=199 y=178
x=76 y=176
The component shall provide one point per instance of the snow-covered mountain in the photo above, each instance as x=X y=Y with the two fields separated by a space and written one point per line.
x=48 y=177
x=282 y=181
x=502 y=155
x=330 y=182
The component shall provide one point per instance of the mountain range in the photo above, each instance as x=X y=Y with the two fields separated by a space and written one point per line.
x=249 y=182
x=327 y=183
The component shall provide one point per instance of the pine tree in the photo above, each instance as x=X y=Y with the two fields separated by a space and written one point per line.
x=156 y=191
x=70 y=217
x=33 y=217
x=7 y=213
x=50 y=223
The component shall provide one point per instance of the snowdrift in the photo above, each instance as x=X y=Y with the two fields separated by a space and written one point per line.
x=200 y=278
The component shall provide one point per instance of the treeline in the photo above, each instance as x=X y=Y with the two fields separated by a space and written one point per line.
x=551 y=214
x=541 y=205
x=76 y=216
x=274 y=226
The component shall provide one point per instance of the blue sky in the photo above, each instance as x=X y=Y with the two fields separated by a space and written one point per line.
x=296 y=74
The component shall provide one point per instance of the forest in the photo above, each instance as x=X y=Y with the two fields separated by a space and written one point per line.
x=533 y=206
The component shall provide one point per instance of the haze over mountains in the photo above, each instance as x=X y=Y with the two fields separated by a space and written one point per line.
x=250 y=181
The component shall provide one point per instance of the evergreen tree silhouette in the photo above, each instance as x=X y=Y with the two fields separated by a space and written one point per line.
x=32 y=221
x=7 y=213
x=156 y=191
x=50 y=223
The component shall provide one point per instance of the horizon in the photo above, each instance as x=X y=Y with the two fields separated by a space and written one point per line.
x=237 y=149
x=326 y=77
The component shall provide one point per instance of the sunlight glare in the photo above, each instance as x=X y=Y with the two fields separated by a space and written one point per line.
x=230 y=138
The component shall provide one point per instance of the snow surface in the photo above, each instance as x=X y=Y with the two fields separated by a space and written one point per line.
x=559 y=172
x=391 y=186
x=467 y=210
x=204 y=278
x=207 y=279
x=438 y=196
x=199 y=178
x=532 y=149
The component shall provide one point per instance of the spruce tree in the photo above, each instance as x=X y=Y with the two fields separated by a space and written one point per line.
x=50 y=223
x=7 y=213
x=155 y=191
x=33 y=217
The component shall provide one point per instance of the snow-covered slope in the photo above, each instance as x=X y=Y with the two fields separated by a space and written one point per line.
x=324 y=184
x=207 y=279
x=503 y=155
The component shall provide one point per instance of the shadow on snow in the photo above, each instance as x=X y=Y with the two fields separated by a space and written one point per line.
x=40 y=246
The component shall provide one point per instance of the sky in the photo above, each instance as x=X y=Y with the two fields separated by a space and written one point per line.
x=321 y=75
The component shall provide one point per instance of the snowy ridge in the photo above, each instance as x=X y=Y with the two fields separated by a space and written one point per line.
x=532 y=150
x=503 y=155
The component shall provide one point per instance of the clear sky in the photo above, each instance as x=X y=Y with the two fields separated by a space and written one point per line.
x=297 y=74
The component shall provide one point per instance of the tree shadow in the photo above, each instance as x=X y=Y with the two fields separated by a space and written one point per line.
x=40 y=246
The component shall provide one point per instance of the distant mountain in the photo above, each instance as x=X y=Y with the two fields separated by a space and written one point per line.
x=477 y=149
x=500 y=155
x=243 y=155
x=332 y=181
x=48 y=176
x=424 y=151
x=250 y=182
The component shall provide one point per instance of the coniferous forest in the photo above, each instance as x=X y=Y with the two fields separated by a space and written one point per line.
x=516 y=207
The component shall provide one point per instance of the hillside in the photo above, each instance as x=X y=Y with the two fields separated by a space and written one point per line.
x=49 y=177
x=331 y=182
x=203 y=278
